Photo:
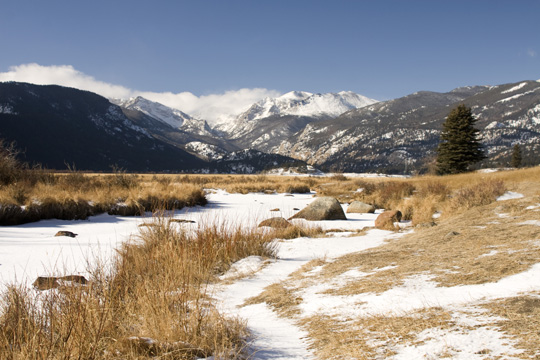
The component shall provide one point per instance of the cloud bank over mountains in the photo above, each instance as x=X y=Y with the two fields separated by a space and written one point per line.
x=213 y=108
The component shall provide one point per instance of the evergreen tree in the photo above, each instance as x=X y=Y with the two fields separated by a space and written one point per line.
x=516 y=156
x=459 y=147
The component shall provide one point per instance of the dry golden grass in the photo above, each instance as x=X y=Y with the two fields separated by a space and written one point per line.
x=373 y=336
x=519 y=317
x=475 y=241
x=462 y=258
x=77 y=196
x=155 y=289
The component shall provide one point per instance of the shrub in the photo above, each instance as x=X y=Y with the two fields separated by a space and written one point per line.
x=298 y=189
x=477 y=195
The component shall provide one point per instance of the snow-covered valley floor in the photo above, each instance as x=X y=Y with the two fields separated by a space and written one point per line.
x=469 y=330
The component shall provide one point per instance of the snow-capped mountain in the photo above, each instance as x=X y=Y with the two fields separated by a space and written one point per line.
x=402 y=134
x=337 y=132
x=303 y=103
x=173 y=117
x=296 y=103
x=271 y=121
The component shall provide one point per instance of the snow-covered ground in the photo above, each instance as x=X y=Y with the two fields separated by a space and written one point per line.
x=30 y=250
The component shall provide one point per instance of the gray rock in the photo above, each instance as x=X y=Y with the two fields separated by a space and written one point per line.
x=359 y=207
x=323 y=208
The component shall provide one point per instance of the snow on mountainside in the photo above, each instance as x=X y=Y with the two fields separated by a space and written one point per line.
x=295 y=103
x=401 y=135
x=303 y=103
x=173 y=117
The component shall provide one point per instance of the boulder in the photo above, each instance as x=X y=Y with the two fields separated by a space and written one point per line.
x=323 y=208
x=359 y=207
x=387 y=219
x=276 y=222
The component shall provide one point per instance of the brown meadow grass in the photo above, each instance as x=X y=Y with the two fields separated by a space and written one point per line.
x=152 y=302
x=475 y=241
x=157 y=286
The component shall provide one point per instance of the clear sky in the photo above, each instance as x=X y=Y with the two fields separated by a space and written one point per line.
x=380 y=49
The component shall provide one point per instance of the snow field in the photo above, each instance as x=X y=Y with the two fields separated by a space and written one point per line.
x=30 y=250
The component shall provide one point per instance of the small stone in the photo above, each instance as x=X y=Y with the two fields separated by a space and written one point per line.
x=182 y=221
x=276 y=222
x=65 y=233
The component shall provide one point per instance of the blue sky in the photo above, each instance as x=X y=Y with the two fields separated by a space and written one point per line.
x=380 y=49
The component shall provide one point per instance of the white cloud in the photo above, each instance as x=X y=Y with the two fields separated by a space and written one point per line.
x=213 y=108
x=531 y=53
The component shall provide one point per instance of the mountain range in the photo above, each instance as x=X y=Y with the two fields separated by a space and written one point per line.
x=343 y=131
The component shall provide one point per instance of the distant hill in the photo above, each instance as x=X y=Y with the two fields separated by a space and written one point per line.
x=401 y=135
x=61 y=127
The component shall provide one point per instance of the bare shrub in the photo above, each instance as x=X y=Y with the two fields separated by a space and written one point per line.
x=297 y=230
x=10 y=168
x=298 y=189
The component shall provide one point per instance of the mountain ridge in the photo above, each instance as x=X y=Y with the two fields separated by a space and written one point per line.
x=394 y=136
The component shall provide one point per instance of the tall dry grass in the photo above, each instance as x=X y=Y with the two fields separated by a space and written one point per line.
x=151 y=303
x=77 y=196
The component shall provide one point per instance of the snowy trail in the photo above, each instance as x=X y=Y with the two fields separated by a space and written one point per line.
x=275 y=337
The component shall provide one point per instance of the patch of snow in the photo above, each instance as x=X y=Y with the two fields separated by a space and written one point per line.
x=458 y=344
x=244 y=267
x=531 y=222
x=516 y=96
x=517 y=87
x=7 y=109
x=491 y=253
x=509 y=195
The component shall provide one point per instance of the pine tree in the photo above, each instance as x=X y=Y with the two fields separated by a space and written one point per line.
x=516 y=156
x=459 y=147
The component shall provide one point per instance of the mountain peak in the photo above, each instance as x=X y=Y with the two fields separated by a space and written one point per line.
x=173 y=117
x=295 y=95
